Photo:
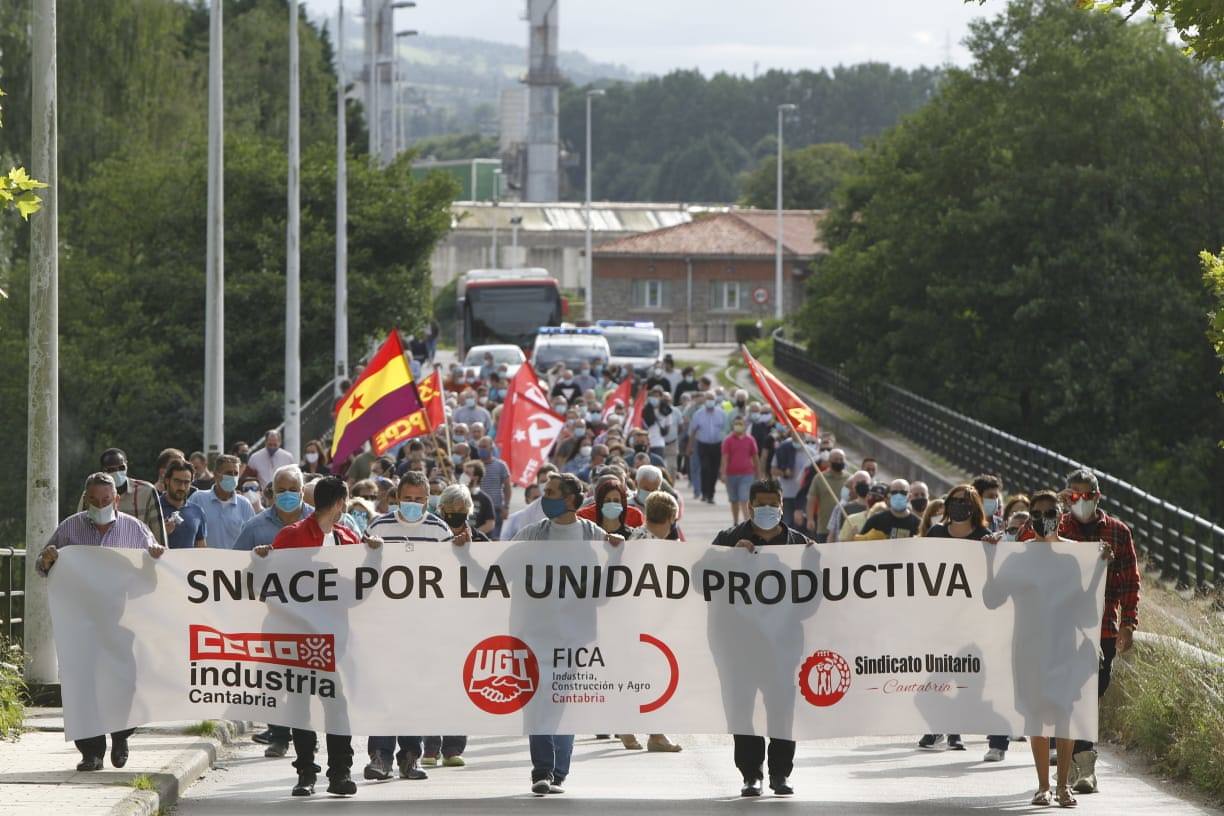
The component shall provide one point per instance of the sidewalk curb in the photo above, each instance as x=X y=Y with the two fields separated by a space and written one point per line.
x=180 y=773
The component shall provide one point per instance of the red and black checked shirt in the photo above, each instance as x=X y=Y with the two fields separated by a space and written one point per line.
x=1122 y=580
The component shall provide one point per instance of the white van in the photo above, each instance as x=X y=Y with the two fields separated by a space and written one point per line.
x=568 y=345
x=633 y=345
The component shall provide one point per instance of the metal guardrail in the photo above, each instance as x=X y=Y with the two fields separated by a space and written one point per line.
x=1184 y=545
x=12 y=594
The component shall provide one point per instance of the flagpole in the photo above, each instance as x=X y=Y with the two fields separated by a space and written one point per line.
x=794 y=432
x=447 y=423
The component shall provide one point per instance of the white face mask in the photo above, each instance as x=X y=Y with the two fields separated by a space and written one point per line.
x=101 y=515
x=585 y=450
x=1084 y=510
x=312 y=457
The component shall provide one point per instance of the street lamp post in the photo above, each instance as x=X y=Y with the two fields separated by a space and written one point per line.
x=341 y=319
x=395 y=87
x=590 y=282
x=782 y=111
x=214 y=263
x=497 y=174
x=292 y=436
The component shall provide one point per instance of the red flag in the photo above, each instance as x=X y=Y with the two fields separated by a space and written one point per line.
x=383 y=396
x=419 y=423
x=622 y=393
x=527 y=427
x=639 y=405
x=786 y=404
x=431 y=394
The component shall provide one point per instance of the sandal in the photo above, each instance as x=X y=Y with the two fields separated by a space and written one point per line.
x=1065 y=799
x=630 y=742
x=1042 y=798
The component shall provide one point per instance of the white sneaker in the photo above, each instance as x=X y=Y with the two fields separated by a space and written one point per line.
x=556 y=787
x=540 y=788
x=994 y=755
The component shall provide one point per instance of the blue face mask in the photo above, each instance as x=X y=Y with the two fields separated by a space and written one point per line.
x=612 y=510
x=120 y=477
x=412 y=511
x=898 y=502
x=484 y=453
x=990 y=506
x=361 y=520
x=432 y=503
x=553 y=508
x=457 y=438
x=288 y=501
x=766 y=517
x=642 y=495
x=228 y=483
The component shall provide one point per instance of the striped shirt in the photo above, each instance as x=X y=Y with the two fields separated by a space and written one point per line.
x=392 y=529
x=125 y=533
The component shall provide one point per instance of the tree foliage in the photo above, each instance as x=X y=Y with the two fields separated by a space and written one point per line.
x=810 y=176
x=17 y=189
x=132 y=227
x=1024 y=247
x=650 y=136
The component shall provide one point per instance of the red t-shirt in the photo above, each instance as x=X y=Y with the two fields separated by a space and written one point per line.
x=739 y=452
x=307 y=533
x=632 y=516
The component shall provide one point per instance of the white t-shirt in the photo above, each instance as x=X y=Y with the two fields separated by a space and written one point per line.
x=265 y=462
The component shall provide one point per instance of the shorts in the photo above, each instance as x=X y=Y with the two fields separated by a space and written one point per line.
x=737 y=487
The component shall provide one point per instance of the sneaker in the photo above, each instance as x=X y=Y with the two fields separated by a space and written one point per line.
x=994 y=755
x=954 y=743
x=263 y=737
x=752 y=787
x=379 y=767
x=1083 y=771
x=119 y=752
x=89 y=763
x=455 y=761
x=540 y=787
x=930 y=741
x=410 y=768
x=276 y=750
x=342 y=786
x=429 y=761
x=305 y=784
x=556 y=786
x=780 y=786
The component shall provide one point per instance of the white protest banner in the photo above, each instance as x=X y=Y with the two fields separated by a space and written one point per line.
x=858 y=638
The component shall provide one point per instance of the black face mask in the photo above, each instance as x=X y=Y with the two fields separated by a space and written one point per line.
x=919 y=504
x=242 y=457
x=641 y=448
x=455 y=520
x=861 y=489
x=960 y=510
x=837 y=466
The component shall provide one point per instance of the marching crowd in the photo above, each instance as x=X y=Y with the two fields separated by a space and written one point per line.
x=615 y=473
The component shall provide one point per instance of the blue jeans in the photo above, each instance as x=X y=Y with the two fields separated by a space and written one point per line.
x=409 y=746
x=550 y=756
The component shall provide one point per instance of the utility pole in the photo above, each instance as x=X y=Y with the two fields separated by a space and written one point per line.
x=292 y=437
x=782 y=111
x=341 y=330
x=214 y=272
x=400 y=127
x=373 y=10
x=590 y=275
x=497 y=174
x=42 y=429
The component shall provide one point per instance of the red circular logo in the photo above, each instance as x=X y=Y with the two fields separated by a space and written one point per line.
x=831 y=680
x=501 y=674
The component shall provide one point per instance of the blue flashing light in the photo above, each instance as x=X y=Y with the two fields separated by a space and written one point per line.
x=568 y=330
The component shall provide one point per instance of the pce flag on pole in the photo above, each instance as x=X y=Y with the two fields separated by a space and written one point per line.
x=383 y=395
x=786 y=404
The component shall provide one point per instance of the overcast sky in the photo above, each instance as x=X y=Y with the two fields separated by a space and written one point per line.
x=655 y=36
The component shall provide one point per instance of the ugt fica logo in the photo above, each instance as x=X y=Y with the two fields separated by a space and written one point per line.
x=824 y=678
x=501 y=674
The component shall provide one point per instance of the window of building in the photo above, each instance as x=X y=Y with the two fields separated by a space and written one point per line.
x=726 y=296
x=648 y=294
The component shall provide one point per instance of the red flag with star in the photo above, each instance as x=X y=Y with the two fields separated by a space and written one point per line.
x=527 y=428
x=381 y=398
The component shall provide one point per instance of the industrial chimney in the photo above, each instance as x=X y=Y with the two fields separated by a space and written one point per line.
x=543 y=100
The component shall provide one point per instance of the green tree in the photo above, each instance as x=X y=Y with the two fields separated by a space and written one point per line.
x=1023 y=248
x=810 y=175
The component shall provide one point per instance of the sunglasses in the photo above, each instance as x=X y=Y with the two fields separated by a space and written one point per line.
x=1089 y=496
x=898 y=493
x=1052 y=513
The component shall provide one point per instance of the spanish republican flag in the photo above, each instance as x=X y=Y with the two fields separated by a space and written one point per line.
x=786 y=404
x=382 y=396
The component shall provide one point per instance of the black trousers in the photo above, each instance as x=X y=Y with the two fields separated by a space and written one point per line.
x=447 y=746
x=96 y=746
x=750 y=755
x=339 y=753
x=711 y=459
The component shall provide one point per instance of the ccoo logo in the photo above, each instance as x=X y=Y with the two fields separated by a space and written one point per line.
x=501 y=674
x=824 y=678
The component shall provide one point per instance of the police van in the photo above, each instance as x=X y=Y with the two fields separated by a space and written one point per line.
x=633 y=344
x=570 y=346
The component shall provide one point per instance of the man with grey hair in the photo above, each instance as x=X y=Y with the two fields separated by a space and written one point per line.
x=225 y=511
x=100 y=524
x=288 y=507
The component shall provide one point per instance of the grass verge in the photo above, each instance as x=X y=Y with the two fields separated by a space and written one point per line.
x=12 y=690
x=1168 y=704
x=205 y=728
x=141 y=782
